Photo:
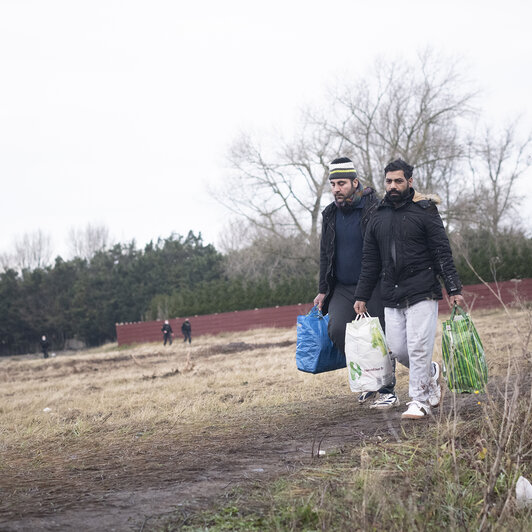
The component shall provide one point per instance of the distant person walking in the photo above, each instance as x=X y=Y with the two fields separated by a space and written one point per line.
x=167 y=332
x=186 y=329
x=45 y=344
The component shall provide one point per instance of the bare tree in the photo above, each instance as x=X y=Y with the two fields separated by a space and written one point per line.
x=257 y=254
x=407 y=110
x=403 y=110
x=7 y=261
x=32 y=250
x=86 y=242
x=281 y=191
x=497 y=160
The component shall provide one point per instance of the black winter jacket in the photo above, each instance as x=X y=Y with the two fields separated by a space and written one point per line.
x=407 y=247
x=327 y=247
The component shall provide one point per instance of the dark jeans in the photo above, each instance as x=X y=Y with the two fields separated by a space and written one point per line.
x=167 y=338
x=341 y=312
x=187 y=336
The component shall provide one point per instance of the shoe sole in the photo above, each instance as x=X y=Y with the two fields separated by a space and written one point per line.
x=385 y=406
x=411 y=416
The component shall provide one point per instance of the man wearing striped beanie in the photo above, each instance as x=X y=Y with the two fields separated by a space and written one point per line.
x=342 y=237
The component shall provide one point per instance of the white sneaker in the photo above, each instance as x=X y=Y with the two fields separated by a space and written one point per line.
x=434 y=385
x=385 y=401
x=416 y=410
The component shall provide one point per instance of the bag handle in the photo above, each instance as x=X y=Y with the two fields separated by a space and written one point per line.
x=460 y=310
x=314 y=311
x=360 y=316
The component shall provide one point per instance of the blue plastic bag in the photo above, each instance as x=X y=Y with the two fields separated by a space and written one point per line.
x=315 y=352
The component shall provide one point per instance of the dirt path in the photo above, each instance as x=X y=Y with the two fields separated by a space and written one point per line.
x=136 y=487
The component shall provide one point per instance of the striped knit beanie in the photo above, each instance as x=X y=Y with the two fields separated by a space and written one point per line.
x=342 y=168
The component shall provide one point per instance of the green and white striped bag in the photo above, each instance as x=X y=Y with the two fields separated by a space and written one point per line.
x=464 y=362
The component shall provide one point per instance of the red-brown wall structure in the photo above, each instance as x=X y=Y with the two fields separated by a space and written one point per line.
x=477 y=296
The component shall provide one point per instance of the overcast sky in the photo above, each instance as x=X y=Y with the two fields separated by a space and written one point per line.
x=120 y=113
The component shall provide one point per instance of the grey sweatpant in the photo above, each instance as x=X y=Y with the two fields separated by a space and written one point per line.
x=410 y=334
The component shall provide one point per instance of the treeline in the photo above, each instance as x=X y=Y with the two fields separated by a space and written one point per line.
x=181 y=276
x=480 y=255
x=83 y=299
x=225 y=295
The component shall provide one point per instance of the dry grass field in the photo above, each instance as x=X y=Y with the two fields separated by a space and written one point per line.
x=150 y=438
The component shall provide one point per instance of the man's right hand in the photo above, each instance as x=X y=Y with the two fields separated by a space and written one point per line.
x=318 y=300
x=360 y=307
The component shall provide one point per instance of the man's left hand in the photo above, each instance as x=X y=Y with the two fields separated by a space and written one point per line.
x=457 y=300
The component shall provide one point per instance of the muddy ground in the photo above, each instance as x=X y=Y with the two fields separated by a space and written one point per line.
x=137 y=485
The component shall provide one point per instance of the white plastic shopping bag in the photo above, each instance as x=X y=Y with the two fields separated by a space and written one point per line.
x=368 y=362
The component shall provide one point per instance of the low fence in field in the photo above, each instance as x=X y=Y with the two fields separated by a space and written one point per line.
x=477 y=296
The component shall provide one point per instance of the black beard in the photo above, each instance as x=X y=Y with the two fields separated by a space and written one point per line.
x=399 y=196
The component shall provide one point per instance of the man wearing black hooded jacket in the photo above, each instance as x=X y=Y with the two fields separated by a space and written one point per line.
x=407 y=249
x=344 y=224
